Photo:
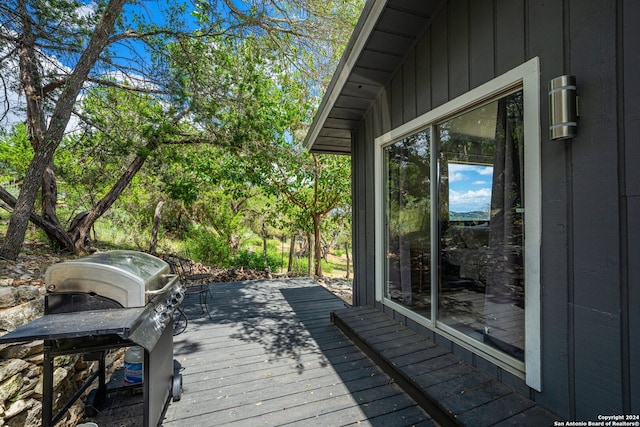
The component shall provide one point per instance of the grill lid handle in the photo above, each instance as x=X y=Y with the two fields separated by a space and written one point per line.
x=172 y=278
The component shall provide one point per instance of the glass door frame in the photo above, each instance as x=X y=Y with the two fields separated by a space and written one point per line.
x=527 y=78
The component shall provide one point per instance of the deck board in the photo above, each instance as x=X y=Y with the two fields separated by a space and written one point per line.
x=269 y=355
x=455 y=392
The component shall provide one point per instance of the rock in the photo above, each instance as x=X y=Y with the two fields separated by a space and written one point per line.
x=13 y=295
x=36 y=358
x=9 y=388
x=12 y=367
x=7 y=297
x=18 y=406
x=65 y=360
x=59 y=376
x=31 y=417
x=33 y=372
x=28 y=388
x=26 y=293
x=21 y=314
x=22 y=351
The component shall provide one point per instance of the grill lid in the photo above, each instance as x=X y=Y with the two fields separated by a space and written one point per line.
x=121 y=275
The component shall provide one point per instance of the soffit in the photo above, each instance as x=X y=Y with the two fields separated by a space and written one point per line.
x=385 y=32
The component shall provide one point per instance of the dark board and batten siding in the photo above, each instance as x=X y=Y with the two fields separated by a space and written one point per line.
x=590 y=274
x=630 y=151
x=595 y=242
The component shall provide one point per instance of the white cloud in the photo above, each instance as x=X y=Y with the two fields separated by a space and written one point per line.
x=457 y=177
x=465 y=167
x=87 y=11
x=487 y=170
x=469 y=201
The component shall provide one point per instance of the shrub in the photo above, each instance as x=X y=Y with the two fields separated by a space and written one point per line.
x=255 y=261
x=208 y=248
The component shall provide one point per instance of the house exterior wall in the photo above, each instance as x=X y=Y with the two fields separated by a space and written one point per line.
x=630 y=189
x=590 y=274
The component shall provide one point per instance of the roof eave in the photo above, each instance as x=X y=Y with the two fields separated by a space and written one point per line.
x=365 y=26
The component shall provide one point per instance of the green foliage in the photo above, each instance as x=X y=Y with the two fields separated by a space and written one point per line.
x=300 y=265
x=208 y=248
x=255 y=260
x=217 y=121
x=122 y=229
x=327 y=267
x=15 y=153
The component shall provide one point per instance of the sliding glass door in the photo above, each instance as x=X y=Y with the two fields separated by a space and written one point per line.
x=454 y=216
x=408 y=231
x=481 y=224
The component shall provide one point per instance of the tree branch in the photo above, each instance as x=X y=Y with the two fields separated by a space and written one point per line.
x=42 y=223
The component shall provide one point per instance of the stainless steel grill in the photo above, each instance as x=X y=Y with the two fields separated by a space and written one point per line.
x=105 y=301
x=129 y=278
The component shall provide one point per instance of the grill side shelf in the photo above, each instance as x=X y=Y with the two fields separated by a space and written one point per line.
x=119 y=321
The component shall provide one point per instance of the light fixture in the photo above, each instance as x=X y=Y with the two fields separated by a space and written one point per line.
x=563 y=114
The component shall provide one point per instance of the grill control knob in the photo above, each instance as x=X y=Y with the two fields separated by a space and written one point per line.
x=175 y=298
x=161 y=319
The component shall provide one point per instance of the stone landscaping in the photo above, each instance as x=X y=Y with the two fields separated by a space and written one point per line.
x=22 y=290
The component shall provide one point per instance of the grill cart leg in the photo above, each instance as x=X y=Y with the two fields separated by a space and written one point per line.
x=158 y=377
x=96 y=398
x=47 y=387
x=94 y=401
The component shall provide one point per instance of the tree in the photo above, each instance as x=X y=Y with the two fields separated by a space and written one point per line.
x=316 y=185
x=34 y=33
x=186 y=147
x=272 y=102
x=24 y=36
x=132 y=131
x=46 y=135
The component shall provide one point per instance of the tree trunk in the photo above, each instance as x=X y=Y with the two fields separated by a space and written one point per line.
x=82 y=223
x=49 y=212
x=46 y=141
x=346 y=251
x=292 y=250
x=234 y=243
x=264 y=244
x=309 y=254
x=317 y=245
x=156 y=225
x=22 y=210
x=31 y=83
x=54 y=231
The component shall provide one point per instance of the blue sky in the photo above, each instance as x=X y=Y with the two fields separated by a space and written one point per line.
x=469 y=187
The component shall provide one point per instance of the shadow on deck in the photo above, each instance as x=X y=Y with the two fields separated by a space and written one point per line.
x=452 y=391
x=270 y=356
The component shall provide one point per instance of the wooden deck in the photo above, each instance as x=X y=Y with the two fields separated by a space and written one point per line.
x=269 y=355
x=452 y=391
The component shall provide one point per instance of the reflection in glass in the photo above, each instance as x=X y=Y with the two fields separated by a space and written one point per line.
x=408 y=236
x=481 y=221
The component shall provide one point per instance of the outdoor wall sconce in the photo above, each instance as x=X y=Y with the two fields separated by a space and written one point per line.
x=563 y=113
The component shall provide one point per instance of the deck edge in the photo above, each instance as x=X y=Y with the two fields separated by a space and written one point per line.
x=349 y=320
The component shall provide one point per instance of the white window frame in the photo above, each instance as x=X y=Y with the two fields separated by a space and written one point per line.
x=526 y=76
